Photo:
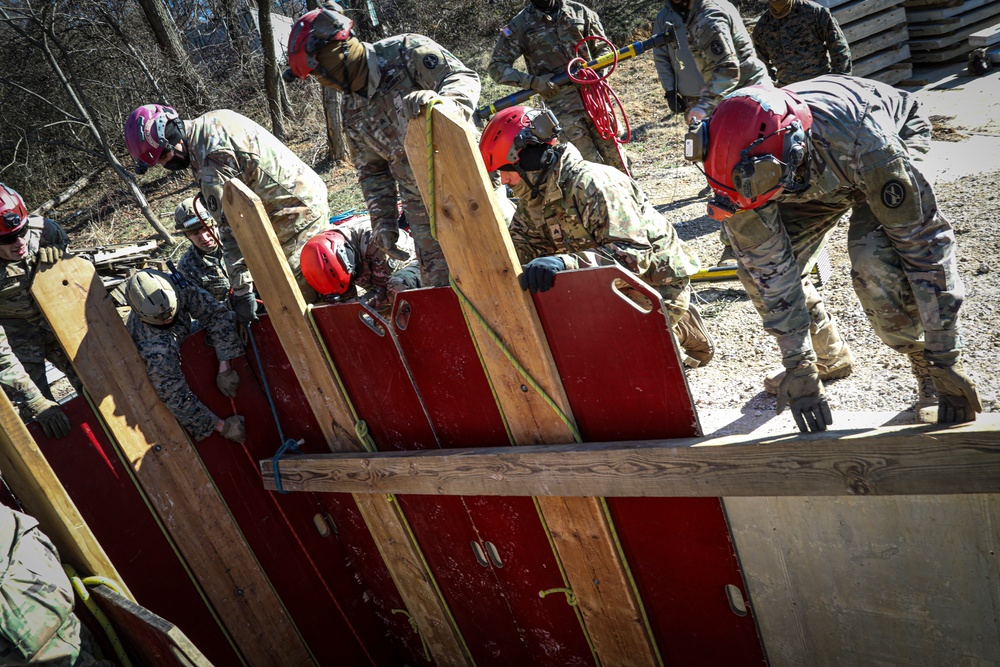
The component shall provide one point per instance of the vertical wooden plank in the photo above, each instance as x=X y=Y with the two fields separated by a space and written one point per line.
x=85 y=320
x=484 y=266
x=34 y=483
x=287 y=310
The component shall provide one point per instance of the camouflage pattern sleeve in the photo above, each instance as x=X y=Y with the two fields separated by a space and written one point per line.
x=594 y=28
x=216 y=318
x=161 y=352
x=434 y=68
x=376 y=180
x=13 y=378
x=508 y=49
x=761 y=44
x=529 y=242
x=712 y=44
x=836 y=42
x=53 y=235
x=218 y=168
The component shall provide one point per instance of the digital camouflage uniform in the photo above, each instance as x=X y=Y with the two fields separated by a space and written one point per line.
x=584 y=206
x=37 y=623
x=547 y=44
x=224 y=145
x=805 y=43
x=675 y=66
x=376 y=277
x=26 y=340
x=376 y=133
x=723 y=50
x=207 y=270
x=160 y=347
x=865 y=137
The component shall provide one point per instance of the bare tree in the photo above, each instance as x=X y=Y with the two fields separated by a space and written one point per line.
x=169 y=39
x=272 y=78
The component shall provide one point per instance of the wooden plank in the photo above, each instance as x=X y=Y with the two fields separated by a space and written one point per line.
x=894 y=73
x=33 y=482
x=957 y=38
x=484 y=266
x=148 y=637
x=89 y=329
x=874 y=24
x=883 y=461
x=938 y=55
x=879 y=42
x=985 y=37
x=949 y=26
x=939 y=13
x=274 y=281
x=859 y=9
x=880 y=61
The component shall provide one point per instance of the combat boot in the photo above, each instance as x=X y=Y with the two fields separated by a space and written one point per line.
x=728 y=257
x=925 y=410
x=833 y=358
x=694 y=339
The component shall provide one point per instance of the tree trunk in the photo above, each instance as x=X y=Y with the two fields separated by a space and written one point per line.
x=272 y=78
x=169 y=39
x=335 y=141
x=64 y=196
x=234 y=28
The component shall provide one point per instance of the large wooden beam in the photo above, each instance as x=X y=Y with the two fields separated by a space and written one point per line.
x=36 y=486
x=287 y=310
x=900 y=460
x=172 y=475
x=473 y=235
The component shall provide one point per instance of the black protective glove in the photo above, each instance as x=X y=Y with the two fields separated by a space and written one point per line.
x=801 y=388
x=245 y=307
x=540 y=274
x=235 y=428
x=958 y=398
x=674 y=101
x=54 y=422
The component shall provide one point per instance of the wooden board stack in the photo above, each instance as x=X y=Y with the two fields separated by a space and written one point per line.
x=941 y=31
x=877 y=33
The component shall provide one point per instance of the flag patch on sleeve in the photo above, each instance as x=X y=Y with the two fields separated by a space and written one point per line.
x=506 y=31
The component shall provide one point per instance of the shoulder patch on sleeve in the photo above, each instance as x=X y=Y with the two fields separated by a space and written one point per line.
x=431 y=61
x=716 y=47
x=507 y=32
x=213 y=203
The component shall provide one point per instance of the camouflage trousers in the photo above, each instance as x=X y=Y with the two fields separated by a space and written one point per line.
x=578 y=130
x=676 y=297
x=433 y=266
x=297 y=219
x=37 y=623
x=33 y=343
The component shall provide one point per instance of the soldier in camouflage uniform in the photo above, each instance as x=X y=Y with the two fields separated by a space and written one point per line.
x=203 y=263
x=546 y=33
x=571 y=206
x=385 y=84
x=675 y=65
x=799 y=40
x=26 y=340
x=37 y=625
x=344 y=263
x=163 y=308
x=221 y=145
x=723 y=50
x=833 y=144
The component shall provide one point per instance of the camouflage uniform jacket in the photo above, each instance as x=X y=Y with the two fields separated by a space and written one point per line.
x=207 y=270
x=587 y=206
x=38 y=625
x=723 y=50
x=160 y=347
x=675 y=66
x=375 y=123
x=18 y=306
x=863 y=142
x=546 y=42
x=803 y=44
x=372 y=268
x=225 y=145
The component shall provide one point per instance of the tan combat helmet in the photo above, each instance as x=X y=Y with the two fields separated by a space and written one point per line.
x=152 y=296
x=188 y=218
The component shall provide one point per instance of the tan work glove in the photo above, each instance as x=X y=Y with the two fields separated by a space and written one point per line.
x=958 y=398
x=235 y=428
x=50 y=254
x=803 y=390
x=54 y=422
x=414 y=102
x=543 y=85
x=228 y=382
x=386 y=241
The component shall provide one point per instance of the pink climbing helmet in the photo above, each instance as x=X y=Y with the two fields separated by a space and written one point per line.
x=146 y=133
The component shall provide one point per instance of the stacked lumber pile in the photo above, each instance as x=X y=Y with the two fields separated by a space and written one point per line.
x=989 y=39
x=940 y=30
x=877 y=33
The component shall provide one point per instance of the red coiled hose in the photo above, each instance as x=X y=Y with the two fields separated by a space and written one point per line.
x=597 y=94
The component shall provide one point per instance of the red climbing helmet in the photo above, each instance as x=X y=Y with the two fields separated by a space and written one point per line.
x=146 y=133
x=328 y=262
x=756 y=139
x=511 y=130
x=311 y=31
x=13 y=214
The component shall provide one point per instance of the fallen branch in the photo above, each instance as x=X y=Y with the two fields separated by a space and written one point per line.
x=65 y=195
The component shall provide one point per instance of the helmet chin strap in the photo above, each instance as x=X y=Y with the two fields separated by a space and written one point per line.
x=548 y=161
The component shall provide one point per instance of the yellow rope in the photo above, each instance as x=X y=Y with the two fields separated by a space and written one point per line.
x=80 y=586
x=413 y=626
x=360 y=426
x=570 y=595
